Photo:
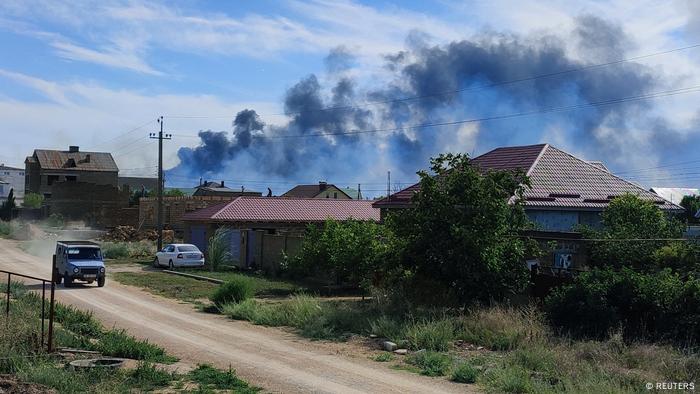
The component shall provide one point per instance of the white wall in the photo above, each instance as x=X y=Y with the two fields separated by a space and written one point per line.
x=15 y=178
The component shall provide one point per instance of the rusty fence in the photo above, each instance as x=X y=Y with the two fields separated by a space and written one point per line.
x=49 y=340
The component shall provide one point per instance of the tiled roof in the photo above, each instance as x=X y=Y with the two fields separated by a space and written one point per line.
x=283 y=209
x=74 y=161
x=559 y=180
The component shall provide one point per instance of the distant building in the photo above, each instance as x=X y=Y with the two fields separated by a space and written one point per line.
x=675 y=194
x=11 y=178
x=44 y=168
x=264 y=229
x=322 y=190
x=221 y=190
x=137 y=183
x=566 y=191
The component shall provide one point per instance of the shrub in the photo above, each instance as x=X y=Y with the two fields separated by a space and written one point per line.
x=236 y=290
x=77 y=321
x=149 y=377
x=33 y=200
x=350 y=251
x=218 y=249
x=464 y=373
x=652 y=306
x=389 y=328
x=115 y=250
x=6 y=229
x=431 y=363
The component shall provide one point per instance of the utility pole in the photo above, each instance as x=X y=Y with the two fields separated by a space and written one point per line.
x=160 y=136
x=388 y=185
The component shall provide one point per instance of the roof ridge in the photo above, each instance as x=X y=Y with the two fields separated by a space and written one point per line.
x=224 y=206
x=537 y=159
x=615 y=176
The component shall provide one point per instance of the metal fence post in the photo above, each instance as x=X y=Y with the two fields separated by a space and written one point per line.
x=43 y=308
x=50 y=340
x=7 y=304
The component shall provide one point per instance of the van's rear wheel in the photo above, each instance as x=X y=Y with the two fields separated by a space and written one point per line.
x=101 y=282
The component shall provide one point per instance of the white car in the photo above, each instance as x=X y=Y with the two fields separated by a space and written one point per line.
x=179 y=255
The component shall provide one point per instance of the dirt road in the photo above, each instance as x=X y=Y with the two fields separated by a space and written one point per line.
x=266 y=357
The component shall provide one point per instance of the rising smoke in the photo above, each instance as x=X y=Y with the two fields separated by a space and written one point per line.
x=429 y=72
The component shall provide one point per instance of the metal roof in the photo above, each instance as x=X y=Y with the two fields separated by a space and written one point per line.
x=8 y=168
x=74 y=161
x=310 y=191
x=559 y=180
x=285 y=209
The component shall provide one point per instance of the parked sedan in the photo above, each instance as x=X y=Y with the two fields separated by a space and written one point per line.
x=179 y=255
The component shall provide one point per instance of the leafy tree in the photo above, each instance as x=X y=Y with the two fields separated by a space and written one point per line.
x=173 y=193
x=692 y=206
x=461 y=236
x=351 y=251
x=137 y=194
x=642 y=222
x=7 y=207
x=33 y=200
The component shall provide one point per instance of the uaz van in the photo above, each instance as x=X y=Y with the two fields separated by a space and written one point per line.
x=78 y=260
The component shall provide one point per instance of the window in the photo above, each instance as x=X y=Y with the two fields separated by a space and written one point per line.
x=21 y=174
x=327 y=196
x=335 y=194
x=84 y=254
x=51 y=179
x=7 y=172
x=71 y=178
x=170 y=248
x=187 y=248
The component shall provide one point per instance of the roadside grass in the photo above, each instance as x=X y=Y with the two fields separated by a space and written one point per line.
x=167 y=285
x=128 y=250
x=211 y=378
x=22 y=356
x=520 y=353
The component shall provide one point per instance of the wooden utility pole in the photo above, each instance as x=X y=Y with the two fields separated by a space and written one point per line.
x=160 y=136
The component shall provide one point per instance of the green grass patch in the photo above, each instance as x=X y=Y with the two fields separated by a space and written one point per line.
x=75 y=328
x=384 y=357
x=168 y=285
x=431 y=363
x=209 y=377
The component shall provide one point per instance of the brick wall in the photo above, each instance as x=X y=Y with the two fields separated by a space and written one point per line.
x=97 y=205
x=173 y=209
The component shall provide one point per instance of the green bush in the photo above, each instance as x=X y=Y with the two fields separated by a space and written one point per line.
x=118 y=343
x=464 y=373
x=431 y=363
x=6 y=229
x=56 y=220
x=350 y=251
x=389 y=328
x=660 y=305
x=500 y=328
x=384 y=357
x=114 y=250
x=33 y=200
x=234 y=291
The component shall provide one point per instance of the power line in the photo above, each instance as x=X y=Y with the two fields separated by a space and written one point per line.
x=125 y=133
x=471 y=88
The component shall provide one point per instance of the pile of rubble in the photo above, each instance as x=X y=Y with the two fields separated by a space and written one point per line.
x=131 y=234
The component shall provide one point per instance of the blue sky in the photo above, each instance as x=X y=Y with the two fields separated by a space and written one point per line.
x=88 y=72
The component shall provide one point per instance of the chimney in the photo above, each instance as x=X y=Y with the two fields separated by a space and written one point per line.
x=87 y=158
x=222 y=183
x=73 y=149
x=322 y=185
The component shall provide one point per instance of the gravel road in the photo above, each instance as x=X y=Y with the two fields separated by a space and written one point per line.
x=270 y=358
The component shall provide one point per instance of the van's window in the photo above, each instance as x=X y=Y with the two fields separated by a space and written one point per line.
x=187 y=248
x=84 y=254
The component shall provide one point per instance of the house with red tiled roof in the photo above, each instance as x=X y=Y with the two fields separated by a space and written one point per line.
x=260 y=228
x=566 y=191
